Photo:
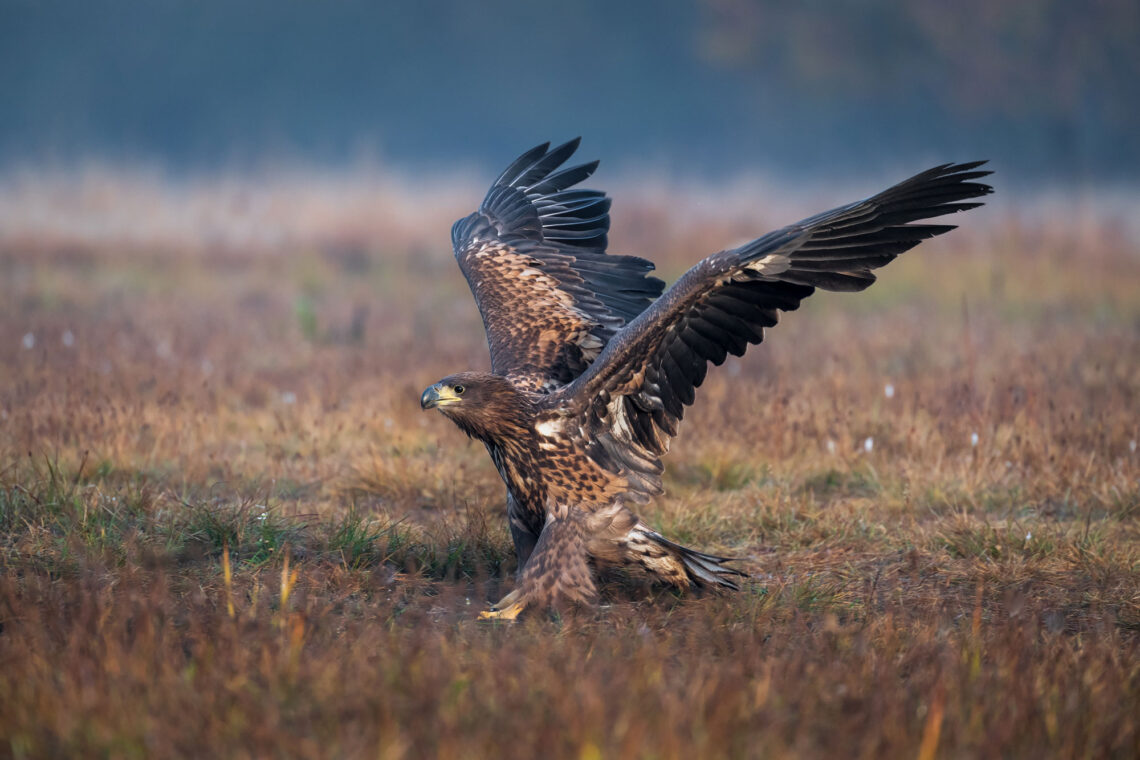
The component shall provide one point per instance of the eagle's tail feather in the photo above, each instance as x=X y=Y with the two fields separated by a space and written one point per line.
x=677 y=564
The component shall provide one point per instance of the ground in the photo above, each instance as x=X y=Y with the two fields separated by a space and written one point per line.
x=227 y=529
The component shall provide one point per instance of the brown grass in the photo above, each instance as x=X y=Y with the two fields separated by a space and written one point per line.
x=249 y=401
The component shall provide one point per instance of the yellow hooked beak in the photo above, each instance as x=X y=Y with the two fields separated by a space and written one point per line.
x=438 y=395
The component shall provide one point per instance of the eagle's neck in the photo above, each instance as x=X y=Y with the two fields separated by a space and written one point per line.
x=500 y=433
x=504 y=418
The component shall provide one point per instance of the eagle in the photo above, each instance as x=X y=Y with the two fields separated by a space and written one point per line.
x=593 y=362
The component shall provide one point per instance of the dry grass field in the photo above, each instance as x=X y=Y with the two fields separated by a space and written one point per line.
x=227 y=529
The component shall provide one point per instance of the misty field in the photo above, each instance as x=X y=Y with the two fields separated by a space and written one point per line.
x=228 y=530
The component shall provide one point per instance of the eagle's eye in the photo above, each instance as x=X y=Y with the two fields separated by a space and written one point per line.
x=459 y=390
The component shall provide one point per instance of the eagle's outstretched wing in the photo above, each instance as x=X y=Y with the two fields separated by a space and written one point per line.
x=535 y=257
x=628 y=403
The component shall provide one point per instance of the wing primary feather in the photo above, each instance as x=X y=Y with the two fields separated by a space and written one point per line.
x=563 y=179
x=840 y=282
x=875 y=261
x=519 y=164
x=546 y=164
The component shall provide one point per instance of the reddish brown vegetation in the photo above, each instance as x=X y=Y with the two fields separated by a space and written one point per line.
x=930 y=597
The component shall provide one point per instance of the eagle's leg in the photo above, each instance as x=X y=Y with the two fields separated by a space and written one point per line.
x=507 y=608
x=523 y=531
x=557 y=574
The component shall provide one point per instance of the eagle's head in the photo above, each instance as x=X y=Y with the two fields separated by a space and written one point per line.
x=484 y=406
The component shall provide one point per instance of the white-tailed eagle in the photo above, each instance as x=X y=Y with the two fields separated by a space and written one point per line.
x=592 y=364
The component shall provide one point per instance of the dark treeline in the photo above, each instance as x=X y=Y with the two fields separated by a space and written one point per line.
x=1046 y=88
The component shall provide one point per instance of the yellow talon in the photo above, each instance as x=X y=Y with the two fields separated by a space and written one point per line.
x=509 y=612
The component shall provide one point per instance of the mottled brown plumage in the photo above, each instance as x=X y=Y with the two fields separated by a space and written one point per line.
x=592 y=367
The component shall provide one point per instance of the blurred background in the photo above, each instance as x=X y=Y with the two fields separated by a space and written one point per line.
x=226 y=277
x=703 y=88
